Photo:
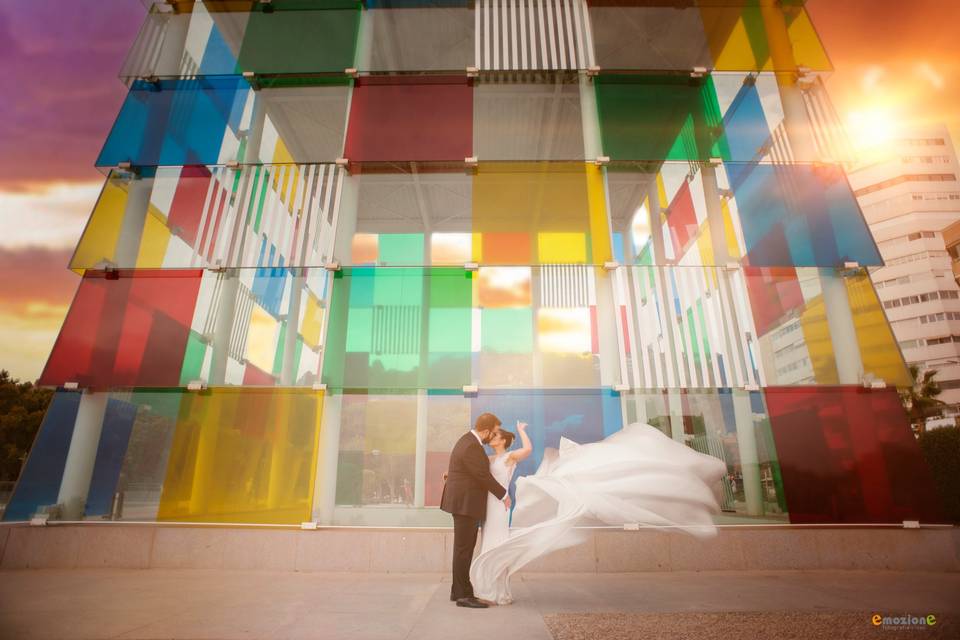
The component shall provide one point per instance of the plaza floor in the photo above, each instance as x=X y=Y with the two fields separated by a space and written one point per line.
x=195 y=604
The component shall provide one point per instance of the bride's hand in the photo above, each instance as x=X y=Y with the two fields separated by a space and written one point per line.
x=521 y=426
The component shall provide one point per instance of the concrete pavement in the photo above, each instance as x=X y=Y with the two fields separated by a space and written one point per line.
x=195 y=604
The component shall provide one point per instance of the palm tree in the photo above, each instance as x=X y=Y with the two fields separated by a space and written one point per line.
x=920 y=400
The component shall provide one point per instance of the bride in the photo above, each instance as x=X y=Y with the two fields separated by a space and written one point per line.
x=636 y=475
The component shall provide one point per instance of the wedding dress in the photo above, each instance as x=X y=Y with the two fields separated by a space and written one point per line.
x=637 y=475
x=496 y=526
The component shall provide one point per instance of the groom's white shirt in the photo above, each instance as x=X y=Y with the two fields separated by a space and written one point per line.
x=480 y=440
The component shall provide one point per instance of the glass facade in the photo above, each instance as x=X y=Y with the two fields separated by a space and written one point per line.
x=332 y=233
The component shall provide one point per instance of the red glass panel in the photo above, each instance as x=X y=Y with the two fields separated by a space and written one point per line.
x=773 y=291
x=187 y=206
x=437 y=463
x=127 y=330
x=410 y=119
x=848 y=455
x=682 y=219
x=253 y=377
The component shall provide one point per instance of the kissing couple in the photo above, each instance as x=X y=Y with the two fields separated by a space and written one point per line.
x=637 y=475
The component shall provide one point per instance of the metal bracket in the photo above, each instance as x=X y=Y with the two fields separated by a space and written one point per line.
x=352 y=72
x=621 y=388
x=471 y=266
x=593 y=71
x=611 y=265
x=602 y=161
x=196 y=385
x=470 y=389
x=473 y=72
x=333 y=265
x=698 y=72
x=319 y=386
x=251 y=78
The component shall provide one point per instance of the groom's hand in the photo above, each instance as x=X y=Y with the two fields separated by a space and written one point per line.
x=506 y=502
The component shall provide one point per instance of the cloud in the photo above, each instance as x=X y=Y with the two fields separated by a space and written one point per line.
x=35 y=293
x=45 y=215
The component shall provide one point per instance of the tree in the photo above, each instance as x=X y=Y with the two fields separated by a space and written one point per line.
x=920 y=400
x=22 y=407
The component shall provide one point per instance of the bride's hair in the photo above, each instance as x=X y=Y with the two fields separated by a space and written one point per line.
x=507 y=438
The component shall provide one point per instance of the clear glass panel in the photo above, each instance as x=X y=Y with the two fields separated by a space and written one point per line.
x=691 y=327
x=387 y=120
x=849 y=456
x=418 y=39
x=414 y=328
x=165 y=328
x=182 y=217
x=730 y=425
x=395 y=446
x=529 y=120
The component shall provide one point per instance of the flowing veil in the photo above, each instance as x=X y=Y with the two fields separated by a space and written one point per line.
x=637 y=475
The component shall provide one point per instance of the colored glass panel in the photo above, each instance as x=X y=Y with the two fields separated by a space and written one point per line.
x=187 y=217
x=115 y=433
x=659 y=118
x=39 y=482
x=288 y=41
x=243 y=456
x=129 y=330
x=848 y=455
x=387 y=123
x=175 y=122
x=533 y=203
x=803 y=215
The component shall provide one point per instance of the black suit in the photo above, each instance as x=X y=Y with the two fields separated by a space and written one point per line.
x=465 y=496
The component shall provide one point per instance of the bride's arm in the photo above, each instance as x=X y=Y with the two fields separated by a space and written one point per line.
x=523 y=452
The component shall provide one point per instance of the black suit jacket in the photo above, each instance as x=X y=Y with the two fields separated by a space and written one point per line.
x=469 y=480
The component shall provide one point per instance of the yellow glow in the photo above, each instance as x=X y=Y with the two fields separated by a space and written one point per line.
x=872 y=131
x=564 y=330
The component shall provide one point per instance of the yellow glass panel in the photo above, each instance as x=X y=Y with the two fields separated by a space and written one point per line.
x=662 y=192
x=99 y=240
x=262 y=339
x=879 y=351
x=600 y=241
x=807 y=48
x=562 y=248
x=154 y=241
x=733 y=247
x=243 y=456
x=312 y=322
x=291 y=174
x=564 y=330
x=515 y=203
x=816 y=335
x=731 y=48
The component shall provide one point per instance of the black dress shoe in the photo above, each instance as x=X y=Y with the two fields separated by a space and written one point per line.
x=472 y=603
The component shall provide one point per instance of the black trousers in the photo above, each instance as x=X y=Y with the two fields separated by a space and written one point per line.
x=464 y=540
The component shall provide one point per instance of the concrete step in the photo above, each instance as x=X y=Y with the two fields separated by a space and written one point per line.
x=165 y=546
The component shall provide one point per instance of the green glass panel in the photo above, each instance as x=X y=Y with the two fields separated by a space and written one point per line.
x=693 y=335
x=359 y=329
x=294 y=41
x=450 y=329
x=193 y=359
x=398 y=287
x=703 y=328
x=507 y=330
x=401 y=248
x=451 y=288
x=278 y=356
x=659 y=118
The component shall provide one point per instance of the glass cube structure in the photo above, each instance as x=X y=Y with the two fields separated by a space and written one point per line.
x=332 y=233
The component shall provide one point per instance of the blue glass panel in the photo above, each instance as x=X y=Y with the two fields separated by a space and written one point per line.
x=217 y=57
x=175 y=122
x=581 y=415
x=117 y=424
x=747 y=129
x=801 y=215
x=39 y=482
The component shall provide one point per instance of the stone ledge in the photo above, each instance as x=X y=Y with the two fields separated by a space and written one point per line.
x=130 y=546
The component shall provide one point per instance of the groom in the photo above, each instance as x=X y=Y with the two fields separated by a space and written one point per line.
x=465 y=497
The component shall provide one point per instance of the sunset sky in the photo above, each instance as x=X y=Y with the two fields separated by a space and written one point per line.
x=896 y=62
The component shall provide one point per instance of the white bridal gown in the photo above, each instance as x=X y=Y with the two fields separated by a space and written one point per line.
x=637 y=475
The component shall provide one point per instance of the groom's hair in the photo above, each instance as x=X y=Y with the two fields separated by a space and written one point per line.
x=486 y=422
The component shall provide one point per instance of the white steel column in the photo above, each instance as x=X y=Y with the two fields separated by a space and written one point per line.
x=800 y=134
x=325 y=485
x=747 y=443
x=78 y=468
